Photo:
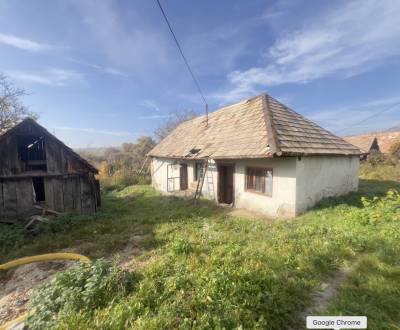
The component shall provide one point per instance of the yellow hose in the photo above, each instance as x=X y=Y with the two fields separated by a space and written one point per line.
x=14 y=322
x=44 y=257
x=38 y=258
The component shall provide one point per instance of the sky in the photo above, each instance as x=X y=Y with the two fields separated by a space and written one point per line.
x=100 y=73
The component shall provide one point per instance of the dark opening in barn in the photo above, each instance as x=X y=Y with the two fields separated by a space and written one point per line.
x=32 y=152
x=38 y=187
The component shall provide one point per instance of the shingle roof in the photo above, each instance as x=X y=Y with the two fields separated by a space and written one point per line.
x=256 y=128
x=363 y=142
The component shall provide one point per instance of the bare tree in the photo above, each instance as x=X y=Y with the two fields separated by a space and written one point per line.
x=12 y=111
x=173 y=121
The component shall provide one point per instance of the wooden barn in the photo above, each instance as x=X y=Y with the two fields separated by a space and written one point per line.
x=39 y=171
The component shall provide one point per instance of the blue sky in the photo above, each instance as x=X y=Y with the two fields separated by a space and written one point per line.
x=103 y=72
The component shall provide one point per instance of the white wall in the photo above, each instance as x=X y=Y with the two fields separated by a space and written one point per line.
x=159 y=173
x=159 y=176
x=297 y=184
x=283 y=199
x=324 y=176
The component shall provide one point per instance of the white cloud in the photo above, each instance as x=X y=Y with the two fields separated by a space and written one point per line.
x=99 y=68
x=51 y=77
x=150 y=104
x=96 y=131
x=135 y=46
x=362 y=117
x=346 y=41
x=154 y=117
x=21 y=43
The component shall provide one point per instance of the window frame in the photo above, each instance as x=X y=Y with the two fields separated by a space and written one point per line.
x=262 y=168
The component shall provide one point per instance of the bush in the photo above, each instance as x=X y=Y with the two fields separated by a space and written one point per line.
x=123 y=178
x=11 y=236
x=82 y=288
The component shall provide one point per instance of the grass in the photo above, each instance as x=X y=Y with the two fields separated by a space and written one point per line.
x=200 y=268
x=383 y=171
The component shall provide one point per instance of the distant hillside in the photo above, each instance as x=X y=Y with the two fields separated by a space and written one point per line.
x=385 y=139
x=394 y=129
x=99 y=151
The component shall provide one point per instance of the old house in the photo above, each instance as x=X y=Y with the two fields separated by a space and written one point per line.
x=257 y=154
x=39 y=171
x=367 y=143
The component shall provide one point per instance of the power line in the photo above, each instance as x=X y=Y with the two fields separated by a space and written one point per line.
x=183 y=56
x=368 y=118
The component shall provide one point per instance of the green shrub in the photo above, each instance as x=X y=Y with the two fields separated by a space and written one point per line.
x=10 y=237
x=82 y=288
x=123 y=178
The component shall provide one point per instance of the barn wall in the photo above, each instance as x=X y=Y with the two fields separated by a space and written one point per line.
x=324 y=176
x=70 y=185
x=66 y=194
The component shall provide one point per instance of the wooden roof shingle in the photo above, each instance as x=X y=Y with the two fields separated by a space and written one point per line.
x=260 y=127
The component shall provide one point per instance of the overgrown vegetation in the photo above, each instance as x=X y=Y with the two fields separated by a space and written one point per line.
x=200 y=268
x=80 y=289
x=381 y=166
x=119 y=168
x=125 y=166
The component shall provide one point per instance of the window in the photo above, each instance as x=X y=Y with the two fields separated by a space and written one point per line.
x=259 y=180
x=32 y=152
x=38 y=188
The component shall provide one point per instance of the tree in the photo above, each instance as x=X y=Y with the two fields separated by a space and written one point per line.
x=175 y=118
x=12 y=111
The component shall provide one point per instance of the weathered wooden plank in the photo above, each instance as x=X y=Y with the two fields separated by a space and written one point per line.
x=86 y=196
x=10 y=200
x=58 y=194
x=77 y=196
x=24 y=193
x=48 y=190
x=69 y=192
x=1 y=202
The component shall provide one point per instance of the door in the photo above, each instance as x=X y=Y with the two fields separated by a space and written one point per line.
x=183 y=177
x=225 y=184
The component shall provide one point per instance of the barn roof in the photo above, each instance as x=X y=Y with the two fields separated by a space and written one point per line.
x=31 y=121
x=363 y=142
x=384 y=139
x=259 y=127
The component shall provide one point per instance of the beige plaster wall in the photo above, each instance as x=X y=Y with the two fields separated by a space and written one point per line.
x=324 y=176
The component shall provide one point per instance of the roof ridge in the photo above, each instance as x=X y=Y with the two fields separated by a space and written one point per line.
x=45 y=131
x=269 y=125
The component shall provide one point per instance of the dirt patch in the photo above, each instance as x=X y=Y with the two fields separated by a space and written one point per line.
x=17 y=286
x=132 y=250
x=328 y=290
x=247 y=214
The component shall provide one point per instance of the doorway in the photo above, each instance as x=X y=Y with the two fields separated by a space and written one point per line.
x=225 y=184
x=183 y=177
x=38 y=188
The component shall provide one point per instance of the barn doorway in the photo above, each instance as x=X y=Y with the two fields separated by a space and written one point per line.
x=38 y=188
x=225 y=184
